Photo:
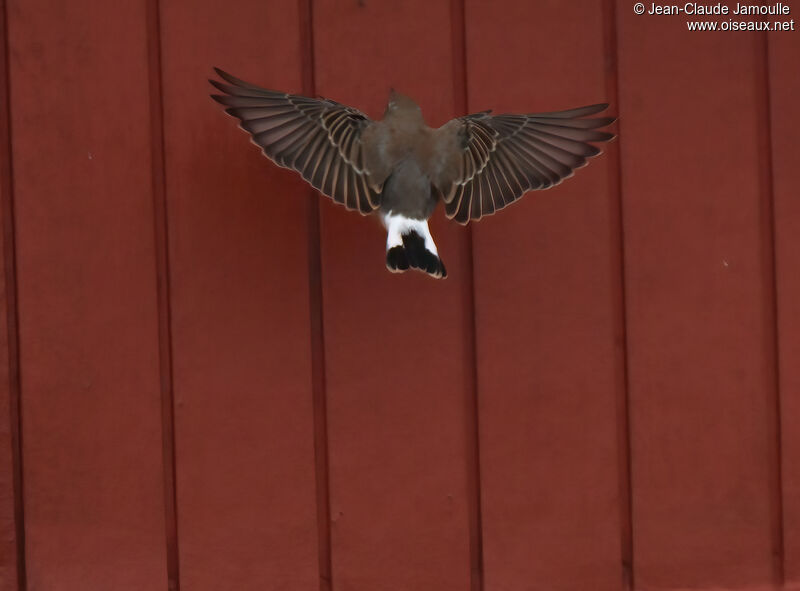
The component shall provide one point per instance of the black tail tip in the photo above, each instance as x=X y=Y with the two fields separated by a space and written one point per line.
x=396 y=260
x=414 y=255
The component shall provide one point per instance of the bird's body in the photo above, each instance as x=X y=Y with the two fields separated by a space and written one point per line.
x=403 y=148
x=400 y=168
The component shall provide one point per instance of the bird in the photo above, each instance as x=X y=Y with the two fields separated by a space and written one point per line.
x=400 y=169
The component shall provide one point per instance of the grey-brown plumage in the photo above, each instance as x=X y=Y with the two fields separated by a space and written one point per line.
x=476 y=164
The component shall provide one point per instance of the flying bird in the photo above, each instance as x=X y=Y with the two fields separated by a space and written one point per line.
x=401 y=168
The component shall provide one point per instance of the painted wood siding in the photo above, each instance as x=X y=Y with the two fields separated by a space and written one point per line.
x=209 y=381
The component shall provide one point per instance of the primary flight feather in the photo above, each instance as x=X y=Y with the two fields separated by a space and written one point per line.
x=401 y=168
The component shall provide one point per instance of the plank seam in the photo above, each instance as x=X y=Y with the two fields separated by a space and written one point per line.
x=767 y=173
x=12 y=312
x=316 y=325
x=612 y=82
x=458 y=22
x=165 y=352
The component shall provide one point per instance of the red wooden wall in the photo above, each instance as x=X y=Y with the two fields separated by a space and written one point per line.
x=199 y=381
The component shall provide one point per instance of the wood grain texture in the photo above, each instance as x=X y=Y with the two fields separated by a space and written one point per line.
x=699 y=295
x=397 y=347
x=548 y=333
x=784 y=54
x=87 y=305
x=240 y=309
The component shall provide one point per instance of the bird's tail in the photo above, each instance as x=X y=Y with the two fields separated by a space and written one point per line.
x=414 y=254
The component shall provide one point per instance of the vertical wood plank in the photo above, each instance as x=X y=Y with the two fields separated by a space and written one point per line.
x=11 y=509
x=700 y=306
x=398 y=347
x=240 y=309
x=87 y=306
x=784 y=53
x=549 y=332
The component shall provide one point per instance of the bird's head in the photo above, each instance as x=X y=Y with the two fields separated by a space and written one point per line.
x=400 y=105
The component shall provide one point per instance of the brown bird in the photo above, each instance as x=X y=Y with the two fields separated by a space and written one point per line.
x=401 y=168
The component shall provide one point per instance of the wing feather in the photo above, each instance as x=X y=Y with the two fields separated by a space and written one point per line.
x=353 y=197
x=499 y=158
x=318 y=138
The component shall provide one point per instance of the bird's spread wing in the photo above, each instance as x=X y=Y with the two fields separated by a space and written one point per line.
x=319 y=138
x=495 y=160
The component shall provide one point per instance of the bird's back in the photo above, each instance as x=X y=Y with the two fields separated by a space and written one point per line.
x=401 y=148
x=407 y=190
